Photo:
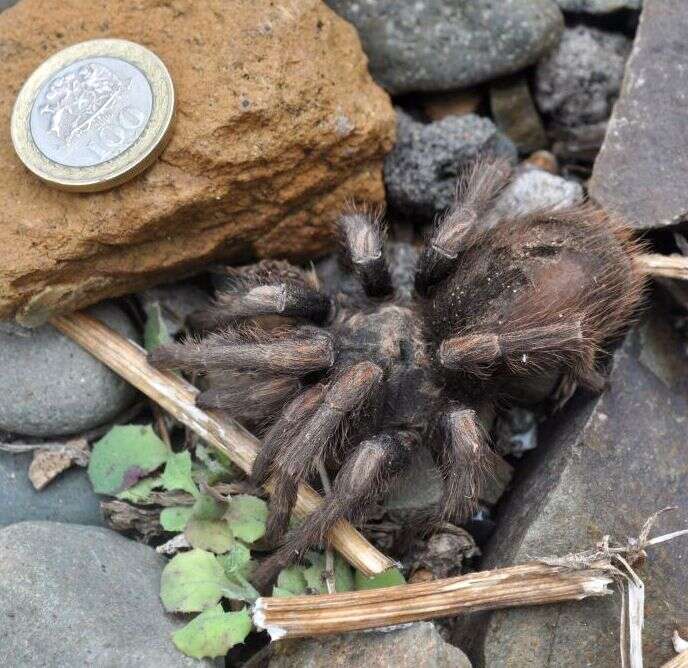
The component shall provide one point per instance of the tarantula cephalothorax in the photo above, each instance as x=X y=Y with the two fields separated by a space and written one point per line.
x=409 y=348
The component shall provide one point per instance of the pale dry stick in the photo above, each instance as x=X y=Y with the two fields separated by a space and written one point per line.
x=329 y=555
x=177 y=397
x=669 y=266
x=679 y=661
x=680 y=646
x=528 y=584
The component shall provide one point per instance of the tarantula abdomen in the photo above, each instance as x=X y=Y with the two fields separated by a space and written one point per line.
x=504 y=310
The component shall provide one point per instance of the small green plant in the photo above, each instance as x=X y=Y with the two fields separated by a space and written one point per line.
x=132 y=463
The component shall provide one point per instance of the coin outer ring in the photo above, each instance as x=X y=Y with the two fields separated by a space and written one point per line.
x=132 y=160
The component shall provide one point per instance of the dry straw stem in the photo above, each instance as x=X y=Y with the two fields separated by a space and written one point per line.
x=679 y=661
x=177 y=397
x=528 y=584
x=669 y=266
x=681 y=646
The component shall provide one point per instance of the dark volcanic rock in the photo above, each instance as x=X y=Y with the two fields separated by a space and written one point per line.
x=412 y=646
x=604 y=467
x=642 y=169
x=421 y=170
x=445 y=44
x=578 y=82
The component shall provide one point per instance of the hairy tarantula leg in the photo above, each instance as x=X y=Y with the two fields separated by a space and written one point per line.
x=366 y=475
x=297 y=355
x=487 y=348
x=286 y=299
x=464 y=460
x=259 y=394
x=364 y=246
x=349 y=392
x=591 y=379
x=284 y=429
x=475 y=196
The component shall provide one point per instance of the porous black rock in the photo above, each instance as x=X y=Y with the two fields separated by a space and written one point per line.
x=421 y=170
x=579 y=80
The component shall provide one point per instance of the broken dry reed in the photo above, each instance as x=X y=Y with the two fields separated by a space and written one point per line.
x=669 y=266
x=528 y=584
x=177 y=397
x=679 y=661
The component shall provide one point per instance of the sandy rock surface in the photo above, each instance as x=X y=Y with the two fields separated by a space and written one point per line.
x=278 y=124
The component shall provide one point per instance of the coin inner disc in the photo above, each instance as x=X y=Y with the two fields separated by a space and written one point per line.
x=91 y=111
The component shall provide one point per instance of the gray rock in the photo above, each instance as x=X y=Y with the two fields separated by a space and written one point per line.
x=579 y=80
x=598 y=6
x=445 y=44
x=642 y=169
x=412 y=646
x=5 y=4
x=422 y=168
x=515 y=114
x=608 y=464
x=82 y=596
x=69 y=498
x=177 y=301
x=420 y=487
x=50 y=386
x=535 y=189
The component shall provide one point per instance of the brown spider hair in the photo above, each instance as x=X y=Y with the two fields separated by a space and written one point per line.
x=404 y=348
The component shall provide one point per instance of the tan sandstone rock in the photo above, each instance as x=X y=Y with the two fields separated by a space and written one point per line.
x=278 y=124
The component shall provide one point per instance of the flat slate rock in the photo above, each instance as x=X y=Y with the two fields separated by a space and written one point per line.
x=412 y=646
x=642 y=169
x=438 y=45
x=603 y=467
x=82 y=596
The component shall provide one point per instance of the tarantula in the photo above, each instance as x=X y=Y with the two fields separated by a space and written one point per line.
x=410 y=347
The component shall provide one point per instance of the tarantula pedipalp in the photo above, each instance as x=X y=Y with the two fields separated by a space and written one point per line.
x=408 y=348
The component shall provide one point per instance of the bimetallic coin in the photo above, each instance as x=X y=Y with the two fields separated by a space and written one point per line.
x=94 y=115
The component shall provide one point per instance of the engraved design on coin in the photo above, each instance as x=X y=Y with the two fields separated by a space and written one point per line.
x=91 y=111
x=94 y=115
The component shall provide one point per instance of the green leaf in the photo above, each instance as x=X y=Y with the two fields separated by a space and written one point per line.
x=141 y=491
x=123 y=456
x=390 y=578
x=343 y=575
x=213 y=633
x=290 y=582
x=212 y=535
x=247 y=516
x=155 y=332
x=175 y=518
x=240 y=589
x=217 y=465
x=207 y=508
x=237 y=560
x=177 y=474
x=315 y=574
x=192 y=581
